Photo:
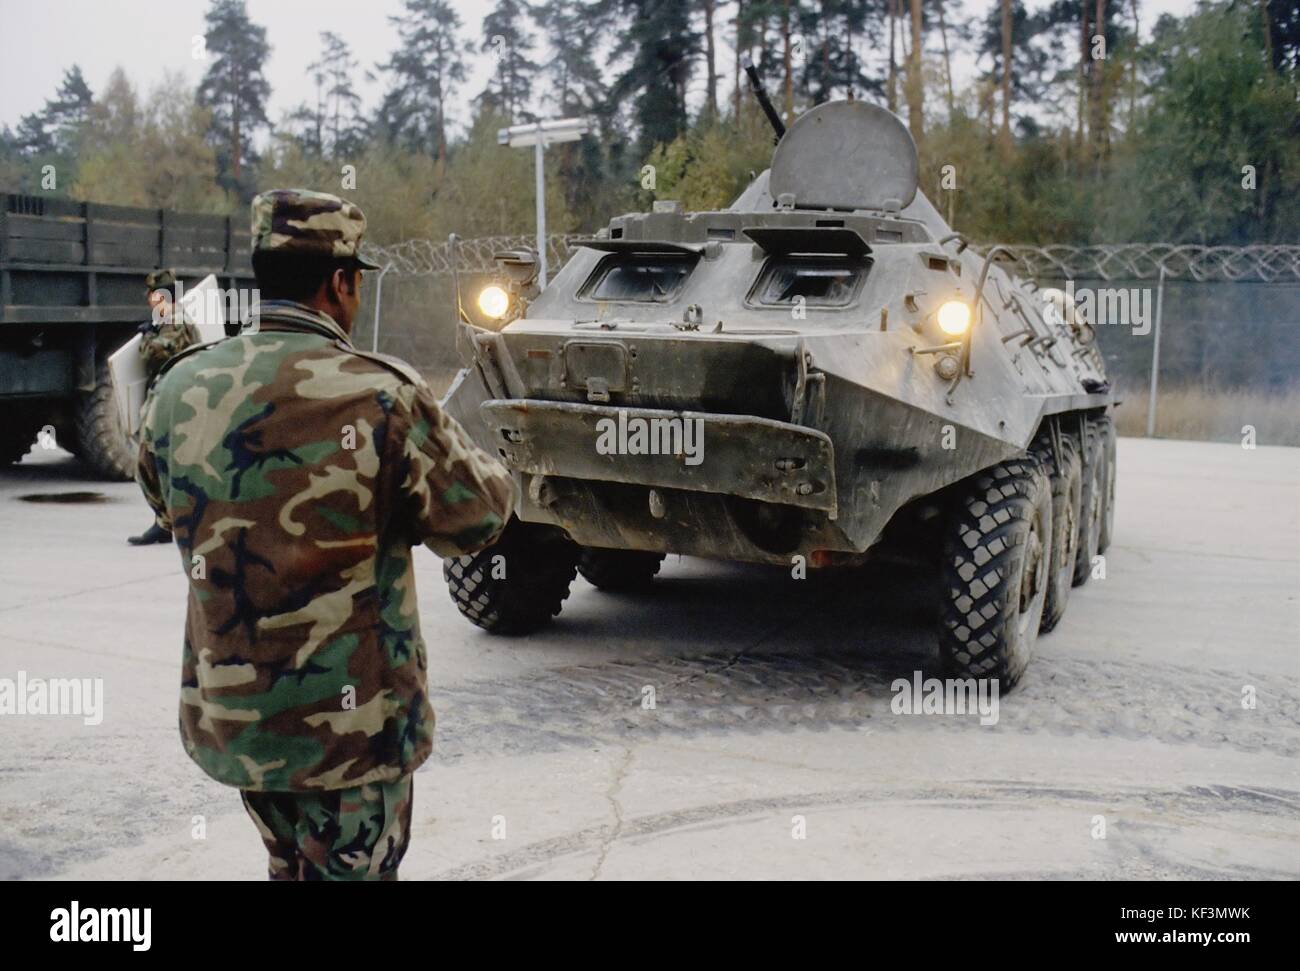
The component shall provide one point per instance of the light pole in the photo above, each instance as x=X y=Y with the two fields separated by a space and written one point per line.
x=1155 y=356
x=540 y=134
x=379 y=296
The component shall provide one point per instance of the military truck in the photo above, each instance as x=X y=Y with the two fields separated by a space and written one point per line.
x=71 y=292
x=821 y=373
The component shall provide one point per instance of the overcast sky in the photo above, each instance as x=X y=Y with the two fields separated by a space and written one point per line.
x=40 y=38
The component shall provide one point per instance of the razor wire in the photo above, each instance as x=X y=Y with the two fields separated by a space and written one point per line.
x=424 y=257
x=1260 y=263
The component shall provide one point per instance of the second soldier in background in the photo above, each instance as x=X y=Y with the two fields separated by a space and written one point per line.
x=167 y=332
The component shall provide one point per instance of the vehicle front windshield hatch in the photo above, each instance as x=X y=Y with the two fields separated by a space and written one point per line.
x=817 y=281
x=639 y=278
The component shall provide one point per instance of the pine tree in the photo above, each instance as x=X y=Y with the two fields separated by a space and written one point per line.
x=31 y=137
x=832 y=31
x=342 y=105
x=331 y=126
x=661 y=42
x=506 y=38
x=573 y=30
x=710 y=8
x=915 y=87
x=1009 y=29
x=234 y=88
x=53 y=135
x=424 y=74
x=65 y=114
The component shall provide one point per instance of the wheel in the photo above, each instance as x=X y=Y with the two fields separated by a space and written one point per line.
x=1067 y=500
x=1108 y=494
x=616 y=570
x=102 y=442
x=1091 y=508
x=517 y=584
x=995 y=572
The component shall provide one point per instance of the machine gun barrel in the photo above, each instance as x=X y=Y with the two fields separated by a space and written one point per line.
x=764 y=102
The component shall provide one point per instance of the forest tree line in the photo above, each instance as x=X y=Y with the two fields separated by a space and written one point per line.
x=1072 y=129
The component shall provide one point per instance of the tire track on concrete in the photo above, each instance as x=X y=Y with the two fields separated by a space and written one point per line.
x=711 y=695
x=1201 y=801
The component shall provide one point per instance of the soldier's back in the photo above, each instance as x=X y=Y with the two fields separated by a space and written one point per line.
x=283 y=481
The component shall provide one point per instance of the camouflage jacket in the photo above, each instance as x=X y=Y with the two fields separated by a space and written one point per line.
x=162 y=342
x=296 y=473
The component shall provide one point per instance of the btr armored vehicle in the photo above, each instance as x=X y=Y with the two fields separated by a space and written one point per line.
x=822 y=372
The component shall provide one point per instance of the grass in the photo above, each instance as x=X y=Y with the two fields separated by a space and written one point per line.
x=1207 y=415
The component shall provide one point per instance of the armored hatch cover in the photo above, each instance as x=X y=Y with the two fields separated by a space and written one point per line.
x=846 y=155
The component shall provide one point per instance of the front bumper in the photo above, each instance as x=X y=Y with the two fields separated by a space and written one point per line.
x=737 y=455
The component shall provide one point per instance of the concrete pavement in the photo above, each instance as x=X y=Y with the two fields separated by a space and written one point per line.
x=772 y=750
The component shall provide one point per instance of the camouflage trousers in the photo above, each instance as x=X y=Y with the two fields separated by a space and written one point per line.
x=338 y=834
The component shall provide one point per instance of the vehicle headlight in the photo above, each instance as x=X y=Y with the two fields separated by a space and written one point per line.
x=494 y=302
x=954 y=318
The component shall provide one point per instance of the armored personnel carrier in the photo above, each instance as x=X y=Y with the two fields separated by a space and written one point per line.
x=820 y=373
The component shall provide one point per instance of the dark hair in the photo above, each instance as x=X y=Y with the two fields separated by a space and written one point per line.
x=297 y=276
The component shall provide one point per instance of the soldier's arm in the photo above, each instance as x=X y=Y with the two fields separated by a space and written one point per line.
x=173 y=337
x=457 y=497
x=146 y=471
x=152 y=349
x=189 y=331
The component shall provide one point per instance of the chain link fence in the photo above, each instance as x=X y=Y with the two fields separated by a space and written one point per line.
x=1212 y=330
x=1124 y=261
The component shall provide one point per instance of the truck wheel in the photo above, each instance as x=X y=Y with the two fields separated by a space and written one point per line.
x=1092 y=509
x=997 y=551
x=102 y=442
x=1067 y=499
x=517 y=584
x=617 y=570
x=1108 y=494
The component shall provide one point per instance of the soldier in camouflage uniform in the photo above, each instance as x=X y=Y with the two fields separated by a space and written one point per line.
x=297 y=472
x=169 y=331
x=162 y=337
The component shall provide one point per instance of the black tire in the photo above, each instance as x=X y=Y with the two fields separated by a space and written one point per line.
x=1067 y=501
x=995 y=572
x=1107 y=425
x=521 y=591
x=1091 y=509
x=618 y=570
x=102 y=442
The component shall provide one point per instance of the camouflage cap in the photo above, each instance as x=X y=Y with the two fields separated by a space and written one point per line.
x=160 y=280
x=302 y=221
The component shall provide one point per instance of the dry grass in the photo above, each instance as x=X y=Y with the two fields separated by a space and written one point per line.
x=1214 y=416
